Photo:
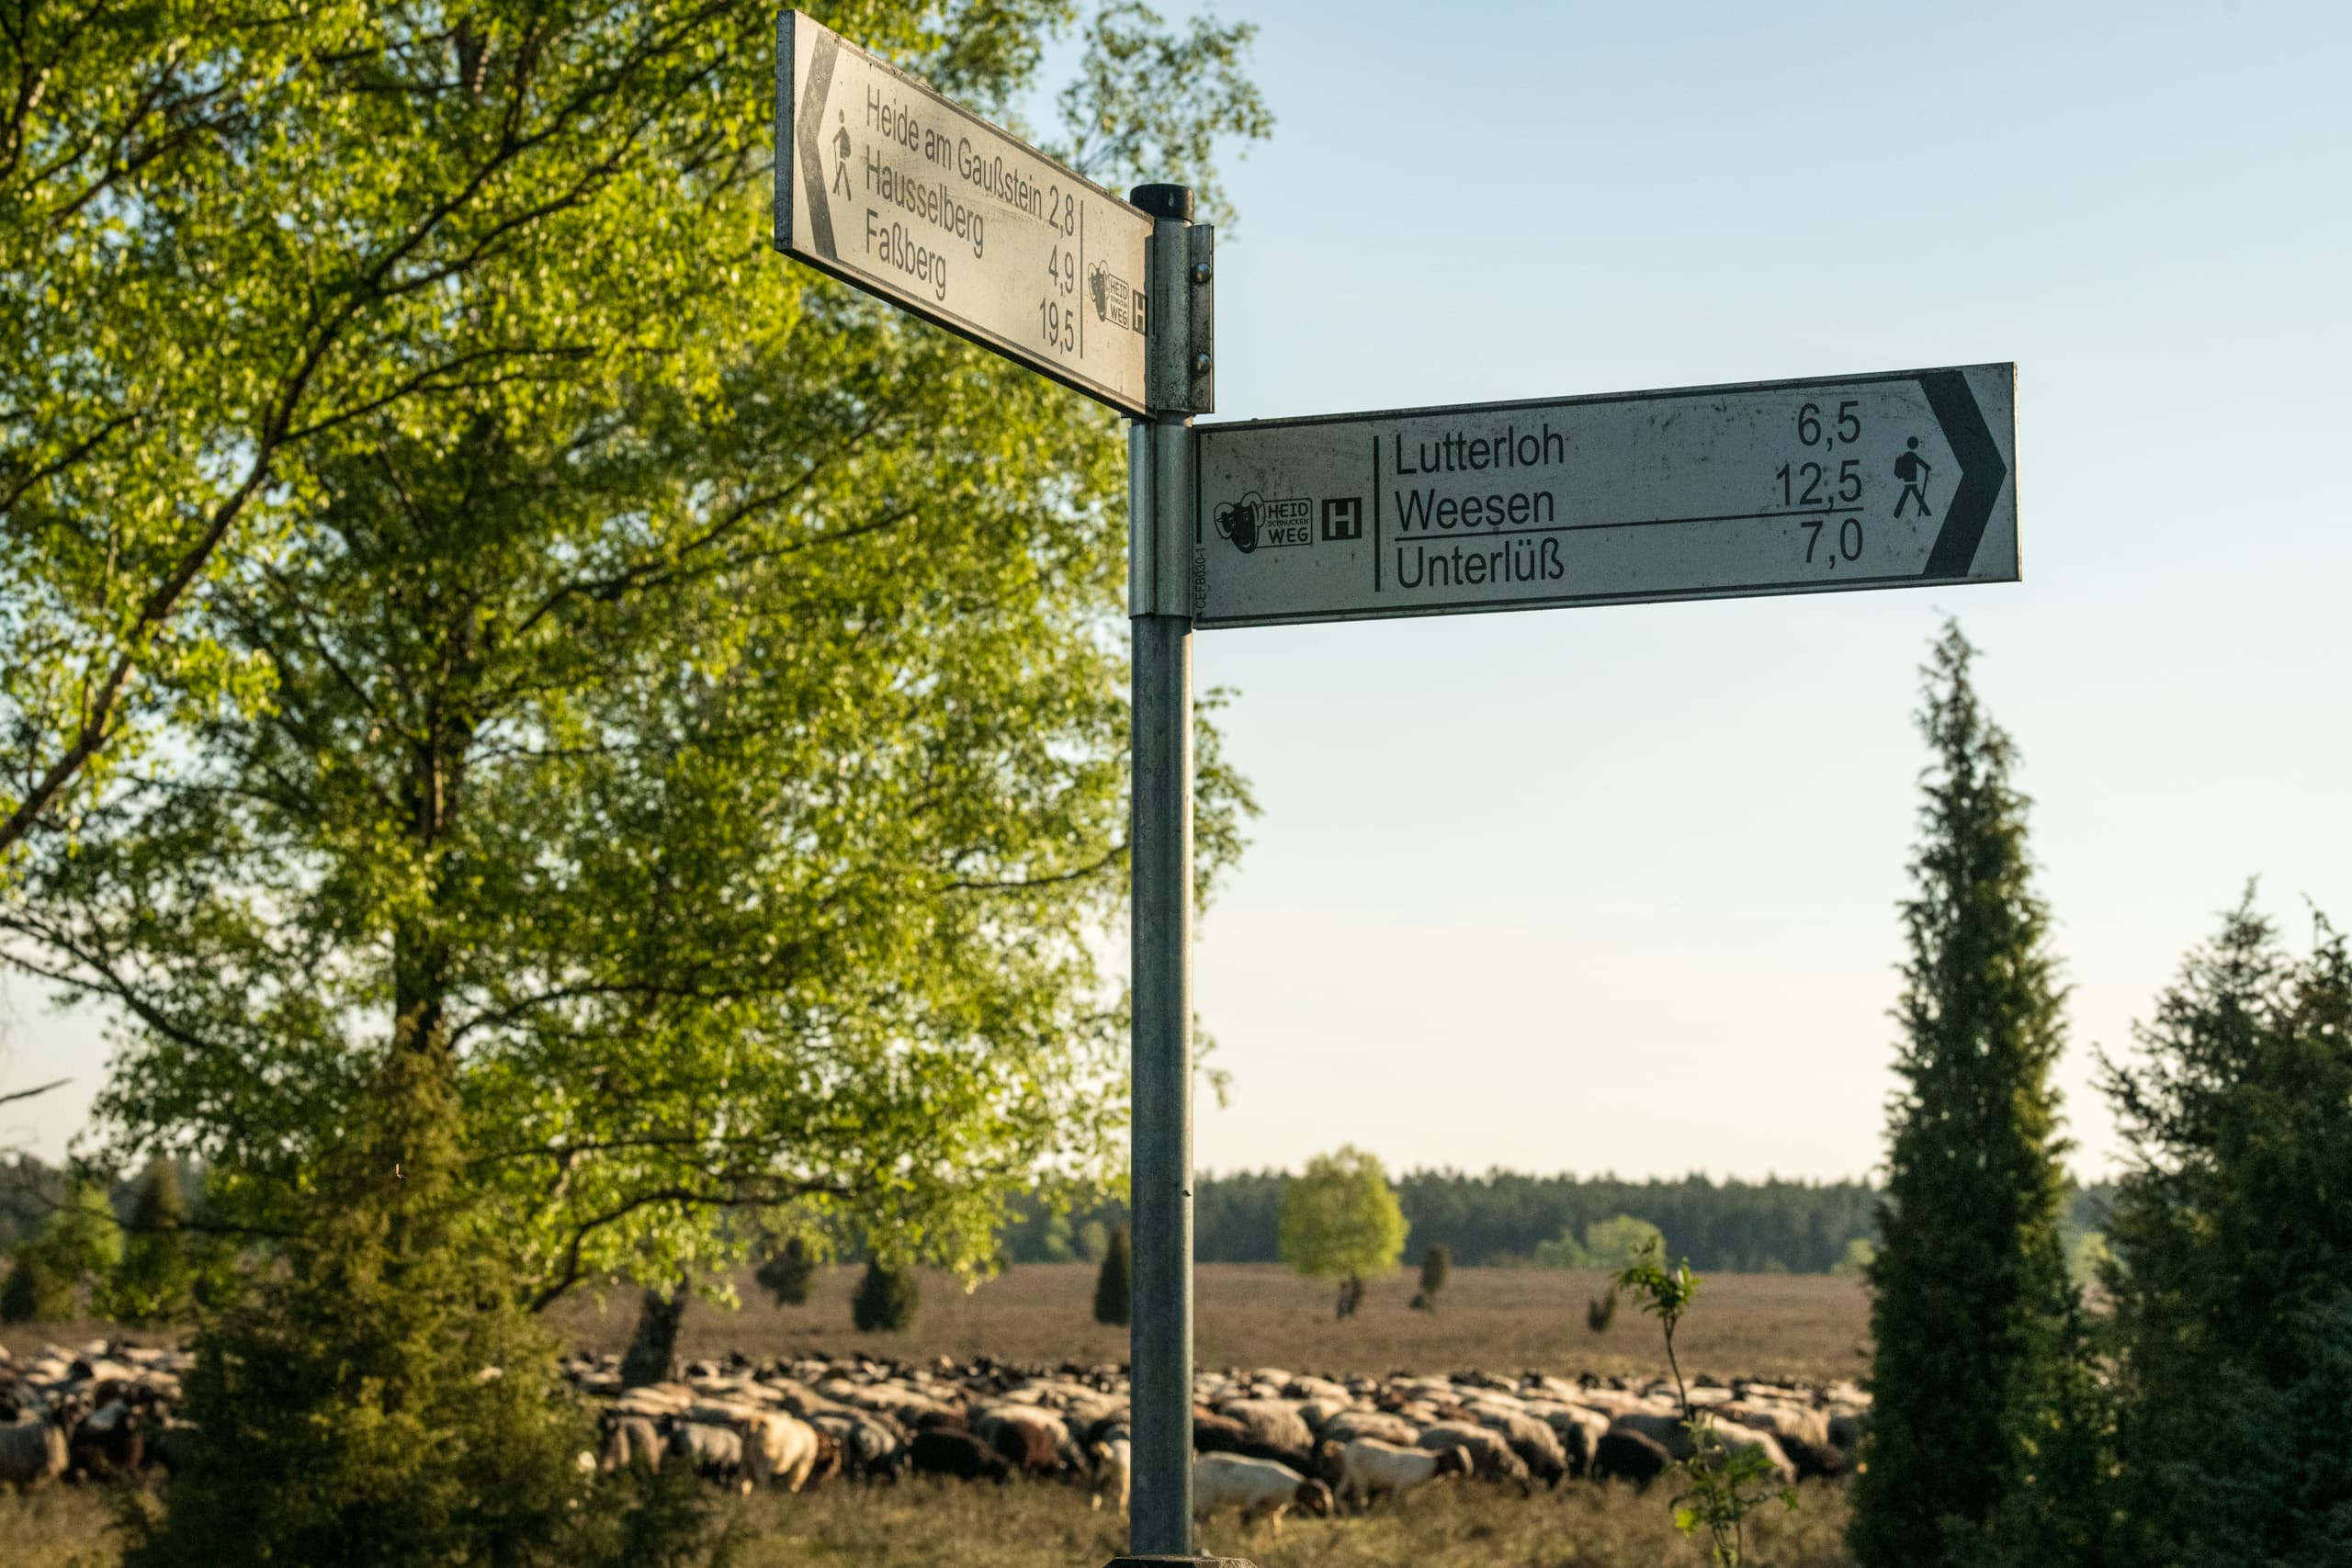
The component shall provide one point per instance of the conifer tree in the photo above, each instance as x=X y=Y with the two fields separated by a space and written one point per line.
x=33 y=1293
x=1115 y=1286
x=380 y=1400
x=1437 y=1267
x=154 y=1279
x=789 y=1273
x=2232 y=1271
x=1971 y=1307
x=886 y=1298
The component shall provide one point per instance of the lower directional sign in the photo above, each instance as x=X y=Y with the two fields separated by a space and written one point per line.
x=1774 y=487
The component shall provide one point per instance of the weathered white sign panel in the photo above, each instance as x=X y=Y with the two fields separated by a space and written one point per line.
x=887 y=185
x=1775 y=487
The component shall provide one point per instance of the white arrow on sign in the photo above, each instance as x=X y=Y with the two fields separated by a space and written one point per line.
x=887 y=185
x=1777 y=487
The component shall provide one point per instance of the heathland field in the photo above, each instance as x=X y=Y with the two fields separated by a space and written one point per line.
x=1808 y=1326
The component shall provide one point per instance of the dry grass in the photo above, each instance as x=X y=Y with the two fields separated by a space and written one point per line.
x=926 y=1523
x=1445 y=1527
x=55 y=1526
x=1808 y=1326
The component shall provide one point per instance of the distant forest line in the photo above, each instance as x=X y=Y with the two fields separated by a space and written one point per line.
x=1498 y=1219
x=1501 y=1218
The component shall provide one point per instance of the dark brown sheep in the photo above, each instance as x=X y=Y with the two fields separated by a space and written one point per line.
x=1214 y=1434
x=1624 y=1454
x=1028 y=1449
x=942 y=1450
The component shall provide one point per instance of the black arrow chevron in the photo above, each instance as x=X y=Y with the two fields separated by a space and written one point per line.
x=807 y=135
x=1982 y=472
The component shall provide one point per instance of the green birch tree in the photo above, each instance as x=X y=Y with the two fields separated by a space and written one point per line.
x=1340 y=1221
x=697 y=729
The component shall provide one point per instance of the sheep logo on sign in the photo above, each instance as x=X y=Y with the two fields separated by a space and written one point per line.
x=1255 y=524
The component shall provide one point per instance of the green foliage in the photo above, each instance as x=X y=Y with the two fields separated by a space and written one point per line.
x=1856 y=1265
x=239 y=239
x=683 y=687
x=1115 y=1285
x=1114 y=127
x=1971 y=1308
x=1340 y=1220
x=79 y=1247
x=1724 y=1482
x=1608 y=1244
x=888 y=1295
x=2087 y=1257
x=2232 y=1267
x=156 y=1278
x=380 y=1400
x=1094 y=1240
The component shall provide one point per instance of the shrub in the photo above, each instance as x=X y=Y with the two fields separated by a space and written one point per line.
x=1726 y=1484
x=1600 y=1311
x=379 y=1399
x=1437 y=1267
x=34 y=1292
x=886 y=1299
x=1115 y=1286
x=789 y=1273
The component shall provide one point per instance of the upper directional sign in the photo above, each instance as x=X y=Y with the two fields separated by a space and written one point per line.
x=885 y=185
x=1774 y=487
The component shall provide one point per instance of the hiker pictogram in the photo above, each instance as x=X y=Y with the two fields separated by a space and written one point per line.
x=1913 y=470
x=840 y=157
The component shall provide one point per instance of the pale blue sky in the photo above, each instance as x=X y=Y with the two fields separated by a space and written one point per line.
x=1614 y=889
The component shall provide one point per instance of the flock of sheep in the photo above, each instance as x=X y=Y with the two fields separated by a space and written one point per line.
x=99 y=1413
x=1265 y=1442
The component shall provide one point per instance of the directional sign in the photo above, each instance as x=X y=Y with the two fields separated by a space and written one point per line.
x=1773 y=487
x=887 y=185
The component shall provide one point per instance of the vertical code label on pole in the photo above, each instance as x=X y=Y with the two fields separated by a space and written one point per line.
x=887 y=185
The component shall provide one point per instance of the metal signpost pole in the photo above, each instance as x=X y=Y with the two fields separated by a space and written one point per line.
x=1159 y=458
x=1900 y=479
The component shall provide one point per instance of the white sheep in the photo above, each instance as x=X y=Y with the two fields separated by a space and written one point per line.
x=34 y=1452
x=1370 y=1468
x=1259 y=1488
x=777 y=1448
x=1113 y=1462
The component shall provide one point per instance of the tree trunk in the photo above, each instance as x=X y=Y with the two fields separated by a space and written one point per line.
x=652 y=1354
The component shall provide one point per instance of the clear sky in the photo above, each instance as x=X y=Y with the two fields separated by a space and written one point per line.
x=1615 y=889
